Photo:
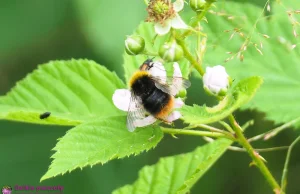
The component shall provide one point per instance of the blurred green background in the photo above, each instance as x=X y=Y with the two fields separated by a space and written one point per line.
x=33 y=32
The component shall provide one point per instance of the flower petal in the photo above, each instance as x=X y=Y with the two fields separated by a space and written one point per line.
x=216 y=79
x=178 y=23
x=178 y=5
x=121 y=99
x=145 y=121
x=177 y=77
x=173 y=116
x=177 y=71
x=158 y=69
x=178 y=103
x=162 y=29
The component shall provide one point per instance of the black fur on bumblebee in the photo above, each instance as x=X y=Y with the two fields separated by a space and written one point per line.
x=153 y=99
x=152 y=94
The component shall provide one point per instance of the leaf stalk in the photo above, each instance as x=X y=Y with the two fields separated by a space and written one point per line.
x=174 y=131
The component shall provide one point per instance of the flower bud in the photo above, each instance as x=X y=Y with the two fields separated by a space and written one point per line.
x=170 y=52
x=197 y=5
x=182 y=93
x=134 y=45
x=216 y=81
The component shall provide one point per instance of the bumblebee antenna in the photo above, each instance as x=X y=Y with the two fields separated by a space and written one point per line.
x=150 y=59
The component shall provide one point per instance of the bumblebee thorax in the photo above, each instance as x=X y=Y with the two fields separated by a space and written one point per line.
x=136 y=76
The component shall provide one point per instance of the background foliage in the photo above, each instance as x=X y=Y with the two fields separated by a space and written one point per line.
x=36 y=32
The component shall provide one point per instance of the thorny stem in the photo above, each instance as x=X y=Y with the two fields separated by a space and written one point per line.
x=199 y=58
x=194 y=23
x=254 y=155
x=233 y=148
x=226 y=126
x=247 y=124
x=286 y=164
x=280 y=128
x=207 y=127
x=269 y=134
x=180 y=40
x=238 y=149
x=237 y=129
x=240 y=138
x=213 y=129
x=173 y=131
x=189 y=56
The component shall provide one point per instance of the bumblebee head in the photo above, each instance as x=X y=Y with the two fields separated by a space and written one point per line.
x=147 y=65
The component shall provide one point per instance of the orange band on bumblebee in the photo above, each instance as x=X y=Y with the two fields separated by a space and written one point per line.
x=164 y=113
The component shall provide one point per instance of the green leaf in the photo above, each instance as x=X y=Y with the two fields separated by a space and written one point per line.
x=153 y=42
x=98 y=142
x=241 y=93
x=73 y=91
x=176 y=174
x=279 y=64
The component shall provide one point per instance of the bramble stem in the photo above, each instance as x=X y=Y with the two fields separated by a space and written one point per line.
x=271 y=133
x=226 y=126
x=173 y=131
x=189 y=56
x=198 y=18
x=238 y=149
x=207 y=127
x=233 y=148
x=239 y=136
x=213 y=129
x=277 y=130
x=253 y=154
x=236 y=128
x=286 y=164
x=247 y=124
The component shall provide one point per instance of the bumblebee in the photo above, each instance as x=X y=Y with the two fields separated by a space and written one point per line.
x=152 y=94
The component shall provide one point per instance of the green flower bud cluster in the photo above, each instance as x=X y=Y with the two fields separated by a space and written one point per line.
x=170 y=52
x=182 y=93
x=134 y=45
x=198 y=5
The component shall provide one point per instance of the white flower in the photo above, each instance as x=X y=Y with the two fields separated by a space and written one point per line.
x=174 y=21
x=121 y=97
x=216 y=79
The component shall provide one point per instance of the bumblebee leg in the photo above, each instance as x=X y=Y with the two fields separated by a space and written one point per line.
x=164 y=120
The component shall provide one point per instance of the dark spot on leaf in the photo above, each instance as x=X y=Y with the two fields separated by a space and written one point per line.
x=45 y=115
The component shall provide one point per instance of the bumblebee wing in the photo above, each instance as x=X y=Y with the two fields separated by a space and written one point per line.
x=171 y=85
x=157 y=69
x=135 y=112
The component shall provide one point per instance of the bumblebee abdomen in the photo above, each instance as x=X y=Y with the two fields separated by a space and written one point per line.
x=158 y=103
